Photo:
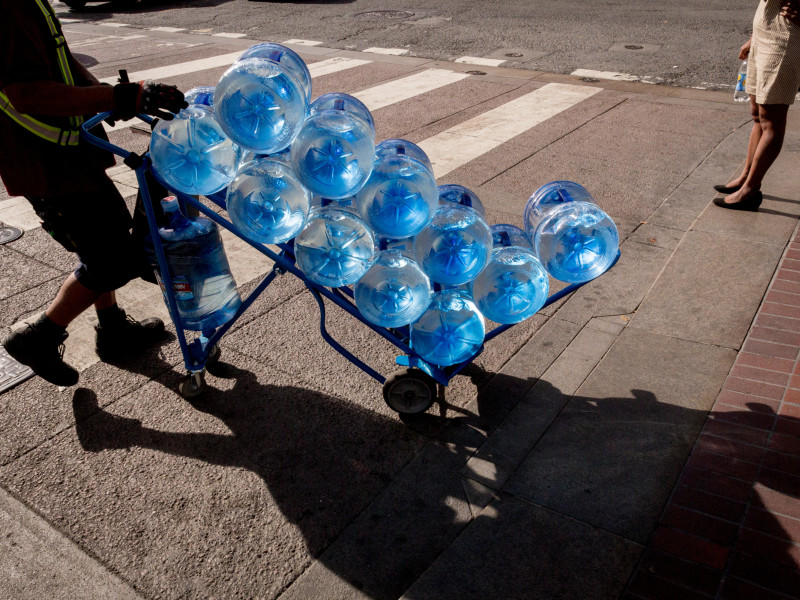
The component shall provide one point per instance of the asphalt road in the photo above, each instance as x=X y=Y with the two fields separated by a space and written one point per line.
x=674 y=42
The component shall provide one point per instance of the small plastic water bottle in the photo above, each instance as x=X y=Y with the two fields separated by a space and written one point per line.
x=191 y=153
x=400 y=196
x=267 y=202
x=514 y=285
x=335 y=248
x=551 y=195
x=203 y=95
x=335 y=150
x=576 y=242
x=394 y=291
x=204 y=288
x=262 y=100
x=455 y=246
x=450 y=331
x=739 y=94
x=458 y=194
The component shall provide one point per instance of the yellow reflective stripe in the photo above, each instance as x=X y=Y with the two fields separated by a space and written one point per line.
x=49 y=15
x=63 y=137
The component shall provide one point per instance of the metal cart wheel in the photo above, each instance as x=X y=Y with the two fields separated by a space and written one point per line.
x=410 y=391
x=192 y=386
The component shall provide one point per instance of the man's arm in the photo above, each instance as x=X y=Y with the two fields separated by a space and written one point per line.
x=55 y=99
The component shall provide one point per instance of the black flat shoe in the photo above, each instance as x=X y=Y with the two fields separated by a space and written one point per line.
x=722 y=189
x=751 y=203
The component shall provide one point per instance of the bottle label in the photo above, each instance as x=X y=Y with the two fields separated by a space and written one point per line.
x=182 y=289
x=740 y=82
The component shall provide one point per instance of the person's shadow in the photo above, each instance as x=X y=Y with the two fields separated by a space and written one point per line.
x=325 y=461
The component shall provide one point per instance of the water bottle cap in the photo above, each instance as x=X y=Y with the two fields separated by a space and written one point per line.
x=458 y=194
x=170 y=204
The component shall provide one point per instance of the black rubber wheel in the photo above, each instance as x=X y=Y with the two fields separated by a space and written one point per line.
x=75 y=4
x=192 y=386
x=410 y=391
x=213 y=356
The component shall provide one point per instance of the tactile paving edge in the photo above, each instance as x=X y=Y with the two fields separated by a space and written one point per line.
x=11 y=372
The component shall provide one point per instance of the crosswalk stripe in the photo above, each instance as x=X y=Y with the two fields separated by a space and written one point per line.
x=389 y=51
x=465 y=142
x=303 y=42
x=185 y=68
x=604 y=75
x=407 y=87
x=477 y=60
x=334 y=65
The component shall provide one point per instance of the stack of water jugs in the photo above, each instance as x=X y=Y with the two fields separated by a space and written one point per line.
x=360 y=214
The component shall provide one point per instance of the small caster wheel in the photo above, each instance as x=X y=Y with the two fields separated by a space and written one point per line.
x=213 y=356
x=192 y=385
x=410 y=391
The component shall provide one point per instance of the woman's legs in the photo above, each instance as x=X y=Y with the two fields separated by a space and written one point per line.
x=755 y=136
x=772 y=119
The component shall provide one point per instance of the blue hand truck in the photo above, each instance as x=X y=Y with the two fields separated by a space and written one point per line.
x=407 y=391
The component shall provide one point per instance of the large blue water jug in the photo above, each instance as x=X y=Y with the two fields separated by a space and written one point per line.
x=335 y=150
x=549 y=196
x=202 y=95
x=576 y=241
x=458 y=194
x=455 y=246
x=191 y=153
x=202 y=283
x=335 y=248
x=514 y=285
x=262 y=100
x=287 y=57
x=400 y=196
x=450 y=331
x=394 y=291
x=267 y=202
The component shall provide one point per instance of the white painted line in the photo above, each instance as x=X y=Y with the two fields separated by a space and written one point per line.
x=168 y=29
x=334 y=65
x=70 y=20
x=106 y=38
x=465 y=142
x=604 y=75
x=485 y=62
x=390 y=51
x=407 y=87
x=302 y=42
x=229 y=35
x=213 y=62
x=113 y=24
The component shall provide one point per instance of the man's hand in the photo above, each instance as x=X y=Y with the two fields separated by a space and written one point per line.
x=790 y=9
x=148 y=97
x=744 y=51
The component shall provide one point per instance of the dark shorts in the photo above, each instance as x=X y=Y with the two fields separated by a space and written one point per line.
x=97 y=227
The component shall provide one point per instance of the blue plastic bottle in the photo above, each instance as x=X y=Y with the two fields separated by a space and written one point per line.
x=394 y=291
x=262 y=100
x=267 y=202
x=514 y=285
x=458 y=194
x=335 y=248
x=576 y=241
x=191 y=153
x=455 y=246
x=202 y=95
x=549 y=196
x=204 y=288
x=335 y=150
x=450 y=331
x=400 y=196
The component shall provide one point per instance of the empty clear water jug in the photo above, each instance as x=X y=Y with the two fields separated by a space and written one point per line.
x=455 y=246
x=191 y=153
x=335 y=248
x=202 y=283
x=514 y=285
x=551 y=195
x=394 y=291
x=450 y=331
x=335 y=150
x=400 y=196
x=203 y=95
x=287 y=57
x=458 y=194
x=267 y=202
x=576 y=242
x=262 y=100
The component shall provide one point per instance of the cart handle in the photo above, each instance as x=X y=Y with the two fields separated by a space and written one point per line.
x=101 y=143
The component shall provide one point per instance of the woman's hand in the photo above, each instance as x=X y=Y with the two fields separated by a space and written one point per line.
x=744 y=52
x=790 y=10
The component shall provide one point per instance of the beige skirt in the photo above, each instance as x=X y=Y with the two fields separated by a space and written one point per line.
x=773 y=67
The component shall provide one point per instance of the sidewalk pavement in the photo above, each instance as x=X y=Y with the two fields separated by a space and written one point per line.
x=577 y=459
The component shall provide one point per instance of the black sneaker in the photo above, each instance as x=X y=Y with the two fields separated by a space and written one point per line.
x=125 y=337
x=43 y=352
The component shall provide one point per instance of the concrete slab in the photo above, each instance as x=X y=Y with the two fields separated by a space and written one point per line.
x=19 y=272
x=515 y=550
x=719 y=280
x=27 y=302
x=612 y=456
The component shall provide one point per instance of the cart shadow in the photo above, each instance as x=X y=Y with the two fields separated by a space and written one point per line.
x=332 y=466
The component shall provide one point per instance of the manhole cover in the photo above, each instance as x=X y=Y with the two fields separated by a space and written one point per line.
x=476 y=72
x=514 y=55
x=9 y=234
x=11 y=372
x=633 y=47
x=384 y=14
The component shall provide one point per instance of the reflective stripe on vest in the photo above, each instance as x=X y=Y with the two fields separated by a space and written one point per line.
x=51 y=133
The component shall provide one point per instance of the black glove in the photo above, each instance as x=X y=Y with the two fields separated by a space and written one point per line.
x=147 y=97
